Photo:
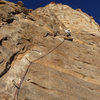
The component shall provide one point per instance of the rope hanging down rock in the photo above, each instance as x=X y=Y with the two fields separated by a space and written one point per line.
x=31 y=62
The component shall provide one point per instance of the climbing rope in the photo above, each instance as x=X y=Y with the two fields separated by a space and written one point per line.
x=31 y=62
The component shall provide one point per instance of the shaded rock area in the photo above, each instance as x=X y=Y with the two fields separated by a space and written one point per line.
x=51 y=53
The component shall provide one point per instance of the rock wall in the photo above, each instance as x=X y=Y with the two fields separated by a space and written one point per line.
x=51 y=53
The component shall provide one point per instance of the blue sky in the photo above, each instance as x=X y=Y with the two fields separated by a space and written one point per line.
x=91 y=7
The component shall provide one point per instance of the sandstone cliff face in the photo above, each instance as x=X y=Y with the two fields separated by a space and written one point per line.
x=40 y=61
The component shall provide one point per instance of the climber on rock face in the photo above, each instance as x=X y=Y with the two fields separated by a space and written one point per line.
x=68 y=35
x=68 y=32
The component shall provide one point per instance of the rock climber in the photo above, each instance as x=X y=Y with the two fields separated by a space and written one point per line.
x=68 y=32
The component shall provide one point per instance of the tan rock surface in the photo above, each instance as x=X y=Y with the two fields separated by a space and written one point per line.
x=61 y=67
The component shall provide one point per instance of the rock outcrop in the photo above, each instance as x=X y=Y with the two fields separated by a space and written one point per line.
x=51 y=53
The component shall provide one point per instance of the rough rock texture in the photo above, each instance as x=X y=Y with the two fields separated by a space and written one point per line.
x=61 y=66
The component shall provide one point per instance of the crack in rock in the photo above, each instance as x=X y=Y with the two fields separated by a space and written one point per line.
x=3 y=39
x=1 y=61
x=40 y=85
x=45 y=88
x=8 y=64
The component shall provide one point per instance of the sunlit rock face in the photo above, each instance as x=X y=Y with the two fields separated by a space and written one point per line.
x=51 y=53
